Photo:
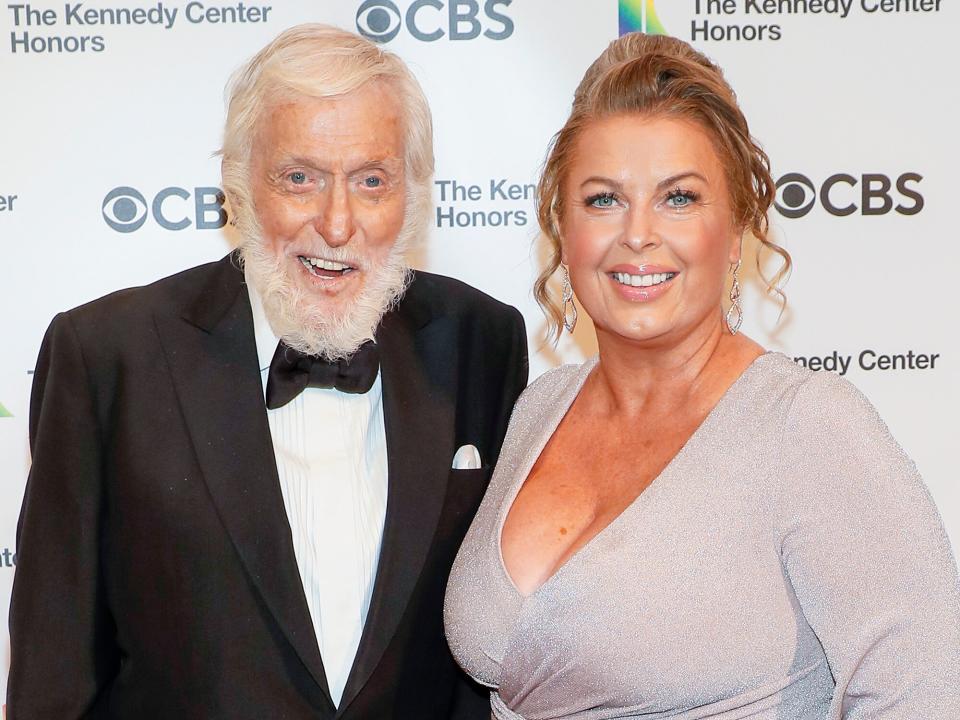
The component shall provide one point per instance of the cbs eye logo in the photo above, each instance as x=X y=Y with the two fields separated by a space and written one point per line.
x=379 y=20
x=430 y=20
x=840 y=195
x=125 y=209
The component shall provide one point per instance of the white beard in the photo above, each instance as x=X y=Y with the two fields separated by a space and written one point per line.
x=310 y=326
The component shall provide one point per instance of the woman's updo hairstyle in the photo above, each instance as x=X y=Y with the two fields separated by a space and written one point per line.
x=659 y=75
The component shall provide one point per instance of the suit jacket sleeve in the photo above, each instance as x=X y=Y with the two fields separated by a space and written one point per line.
x=518 y=369
x=61 y=631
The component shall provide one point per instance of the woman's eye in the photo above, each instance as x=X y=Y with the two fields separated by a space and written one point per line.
x=680 y=199
x=603 y=200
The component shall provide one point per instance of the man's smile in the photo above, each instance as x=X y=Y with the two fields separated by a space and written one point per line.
x=323 y=268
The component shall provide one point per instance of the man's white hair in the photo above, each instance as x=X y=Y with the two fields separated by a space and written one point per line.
x=320 y=61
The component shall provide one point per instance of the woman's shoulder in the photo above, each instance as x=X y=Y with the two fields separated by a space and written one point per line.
x=550 y=386
x=832 y=442
x=538 y=405
x=798 y=393
x=818 y=415
x=820 y=398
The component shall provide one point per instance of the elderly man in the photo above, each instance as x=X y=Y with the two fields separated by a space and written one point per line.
x=250 y=479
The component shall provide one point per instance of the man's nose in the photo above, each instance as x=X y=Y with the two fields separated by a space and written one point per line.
x=334 y=221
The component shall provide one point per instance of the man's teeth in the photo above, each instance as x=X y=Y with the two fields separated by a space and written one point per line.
x=321 y=264
x=642 y=280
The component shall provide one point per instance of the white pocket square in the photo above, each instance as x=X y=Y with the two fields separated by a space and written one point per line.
x=467 y=458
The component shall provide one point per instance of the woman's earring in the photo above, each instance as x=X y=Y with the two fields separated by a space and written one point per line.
x=735 y=313
x=569 y=307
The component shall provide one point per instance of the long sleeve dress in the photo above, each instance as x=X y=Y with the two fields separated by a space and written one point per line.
x=788 y=564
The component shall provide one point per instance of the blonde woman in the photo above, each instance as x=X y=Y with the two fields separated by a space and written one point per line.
x=687 y=526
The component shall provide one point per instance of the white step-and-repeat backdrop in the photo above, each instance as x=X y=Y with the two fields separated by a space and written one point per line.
x=110 y=112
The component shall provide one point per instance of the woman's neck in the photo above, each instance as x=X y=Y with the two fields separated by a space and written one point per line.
x=632 y=377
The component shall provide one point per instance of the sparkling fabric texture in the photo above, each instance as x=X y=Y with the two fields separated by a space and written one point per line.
x=788 y=564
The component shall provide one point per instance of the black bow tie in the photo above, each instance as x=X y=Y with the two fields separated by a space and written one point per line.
x=291 y=372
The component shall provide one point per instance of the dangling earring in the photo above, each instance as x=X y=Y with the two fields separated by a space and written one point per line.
x=735 y=311
x=569 y=307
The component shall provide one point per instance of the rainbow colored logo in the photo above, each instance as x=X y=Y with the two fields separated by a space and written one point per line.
x=640 y=15
x=4 y=412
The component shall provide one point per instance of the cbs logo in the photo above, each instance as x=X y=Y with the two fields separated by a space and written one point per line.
x=840 y=196
x=126 y=209
x=430 y=20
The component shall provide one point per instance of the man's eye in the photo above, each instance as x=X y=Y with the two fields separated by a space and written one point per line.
x=372 y=182
x=298 y=177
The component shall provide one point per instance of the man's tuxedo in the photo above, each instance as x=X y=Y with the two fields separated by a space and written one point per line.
x=156 y=576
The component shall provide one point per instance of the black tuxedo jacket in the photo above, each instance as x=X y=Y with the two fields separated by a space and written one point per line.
x=156 y=574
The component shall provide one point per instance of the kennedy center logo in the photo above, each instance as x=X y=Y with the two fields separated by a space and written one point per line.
x=640 y=15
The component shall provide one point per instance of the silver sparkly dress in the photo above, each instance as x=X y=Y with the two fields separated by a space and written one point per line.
x=788 y=564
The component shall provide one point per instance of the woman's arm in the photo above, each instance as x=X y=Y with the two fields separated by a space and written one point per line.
x=868 y=557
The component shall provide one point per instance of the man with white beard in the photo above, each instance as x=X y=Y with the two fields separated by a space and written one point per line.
x=250 y=479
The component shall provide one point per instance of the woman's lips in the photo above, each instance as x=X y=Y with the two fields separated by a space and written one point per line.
x=641 y=283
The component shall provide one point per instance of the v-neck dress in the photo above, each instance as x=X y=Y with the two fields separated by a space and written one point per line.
x=787 y=564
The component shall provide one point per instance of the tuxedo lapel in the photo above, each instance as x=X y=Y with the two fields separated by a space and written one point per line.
x=418 y=418
x=212 y=356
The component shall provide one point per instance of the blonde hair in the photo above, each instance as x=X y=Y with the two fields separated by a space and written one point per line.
x=318 y=61
x=659 y=75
